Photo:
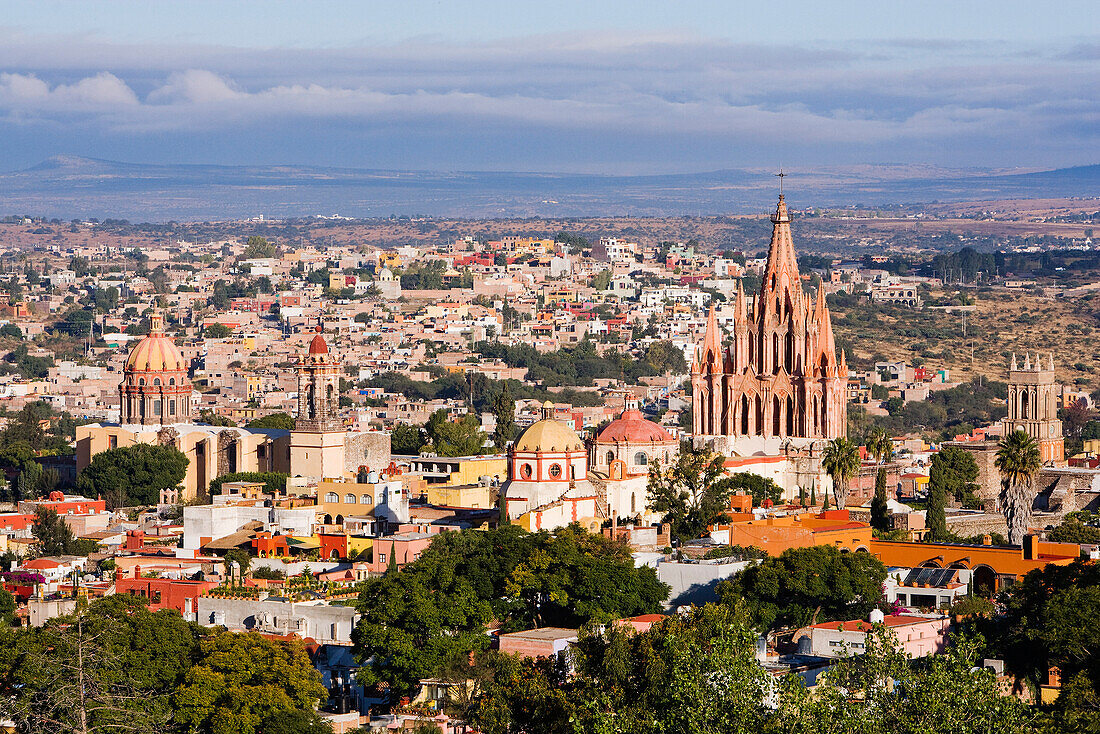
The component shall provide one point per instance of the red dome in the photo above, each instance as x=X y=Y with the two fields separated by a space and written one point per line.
x=318 y=345
x=632 y=427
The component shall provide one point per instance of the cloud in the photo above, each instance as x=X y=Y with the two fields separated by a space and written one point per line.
x=669 y=98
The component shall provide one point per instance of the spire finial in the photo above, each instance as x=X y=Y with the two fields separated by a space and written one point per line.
x=781 y=175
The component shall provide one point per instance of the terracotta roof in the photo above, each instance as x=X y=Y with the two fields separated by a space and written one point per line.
x=890 y=620
x=318 y=345
x=632 y=427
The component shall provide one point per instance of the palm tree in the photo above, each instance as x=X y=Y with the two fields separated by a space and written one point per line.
x=1018 y=461
x=880 y=445
x=841 y=460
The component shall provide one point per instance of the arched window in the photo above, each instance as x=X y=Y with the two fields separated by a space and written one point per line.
x=328 y=520
x=610 y=456
x=366 y=500
x=525 y=471
x=332 y=497
x=745 y=415
x=777 y=416
x=641 y=459
x=141 y=380
x=339 y=519
x=775 y=351
x=171 y=407
x=790 y=416
x=349 y=499
x=157 y=408
x=1023 y=404
x=555 y=471
x=789 y=352
x=156 y=382
x=633 y=500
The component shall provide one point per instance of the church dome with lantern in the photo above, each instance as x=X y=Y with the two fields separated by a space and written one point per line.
x=155 y=388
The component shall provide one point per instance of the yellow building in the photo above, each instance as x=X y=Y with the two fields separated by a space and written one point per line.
x=459 y=470
x=466 y=495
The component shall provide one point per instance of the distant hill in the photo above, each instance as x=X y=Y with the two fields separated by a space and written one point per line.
x=70 y=186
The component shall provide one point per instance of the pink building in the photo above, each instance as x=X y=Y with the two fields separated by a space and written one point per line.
x=538 y=643
x=917 y=636
x=400 y=549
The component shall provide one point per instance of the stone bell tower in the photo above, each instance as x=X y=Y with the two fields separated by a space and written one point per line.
x=317 y=441
x=1033 y=405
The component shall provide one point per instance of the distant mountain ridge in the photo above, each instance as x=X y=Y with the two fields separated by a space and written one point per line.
x=73 y=186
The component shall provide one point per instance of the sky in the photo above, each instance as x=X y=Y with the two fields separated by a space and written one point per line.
x=603 y=86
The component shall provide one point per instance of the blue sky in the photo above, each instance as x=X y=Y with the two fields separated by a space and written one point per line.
x=607 y=87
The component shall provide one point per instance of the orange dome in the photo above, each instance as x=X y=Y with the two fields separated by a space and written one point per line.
x=156 y=352
x=318 y=345
x=633 y=427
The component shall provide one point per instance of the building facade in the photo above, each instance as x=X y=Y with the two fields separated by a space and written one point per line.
x=779 y=378
x=1033 y=402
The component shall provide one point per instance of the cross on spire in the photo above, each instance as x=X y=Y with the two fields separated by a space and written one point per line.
x=781 y=175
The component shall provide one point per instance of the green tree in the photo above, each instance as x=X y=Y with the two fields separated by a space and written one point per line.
x=133 y=475
x=935 y=517
x=693 y=493
x=805 y=583
x=601 y=281
x=258 y=247
x=954 y=471
x=840 y=459
x=276 y=421
x=1018 y=461
x=880 y=511
x=210 y=418
x=407 y=440
x=1072 y=530
x=463 y=437
x=504 y=408
x=217 y=331
x=52 y=535
x=246 y=683
x=665 y=356
x=274 y=482
x=434 y=610
x=7 y=607
x=880 y=445
x=761 y=488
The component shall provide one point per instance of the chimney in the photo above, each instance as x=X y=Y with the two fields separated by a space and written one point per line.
x=1031 y=547
x=987 y=539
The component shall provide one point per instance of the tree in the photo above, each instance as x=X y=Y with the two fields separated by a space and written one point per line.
x=210 y=418
x=601 y=281
x=1018 y=461
x=246 y=683
x=693 y=493
x=11 y=331
x=954 y=471
x=761 y=488
x=258 y=247
x=274 y=482
x=217 y=331
x=935 y=517
x=407 y=440
x=463 y=437
x=1072 y=530
x=133 y=475
x=840 y=459
x=880 y=511
x=434 y=610
x=805 y=583
x=276 y=421
x=504 y=408
x=880 y=445
x=52 y=535
x=107 y=668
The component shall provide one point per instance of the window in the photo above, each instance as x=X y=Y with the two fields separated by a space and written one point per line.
x=610 y=456
x=171 y=407
x=171 y=380
x=112 y=442
x=349 y=499
x=381 y=557
x=641 y=459
x=157 y=407
x=156 y=381
x=525 y=471
x=555 y=471
x=365 y=499
x=332 y=497
x=141 y=381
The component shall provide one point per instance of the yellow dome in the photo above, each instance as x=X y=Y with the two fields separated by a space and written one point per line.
x=549 y=435
x=156 y=352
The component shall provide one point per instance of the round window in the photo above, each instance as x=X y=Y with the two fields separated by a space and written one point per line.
x=555 y=471
x=525 y=471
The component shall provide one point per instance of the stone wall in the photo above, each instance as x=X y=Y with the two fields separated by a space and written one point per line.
x=370 y=449
x=323 y=623
x=977 y=524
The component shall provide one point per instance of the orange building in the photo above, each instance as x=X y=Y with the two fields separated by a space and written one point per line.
x=777 y=534
x=993 y=566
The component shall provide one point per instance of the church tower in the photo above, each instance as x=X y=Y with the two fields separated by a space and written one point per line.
x=1033 y=405
x=317 y=441
x=781 y=378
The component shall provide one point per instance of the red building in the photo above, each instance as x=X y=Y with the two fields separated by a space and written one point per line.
x=64 y=504
x=179 y=594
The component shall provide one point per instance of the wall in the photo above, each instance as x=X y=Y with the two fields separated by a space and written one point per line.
x=321 y=622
